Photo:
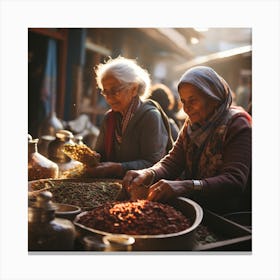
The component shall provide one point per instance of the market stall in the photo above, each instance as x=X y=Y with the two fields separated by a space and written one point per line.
x=69 y=211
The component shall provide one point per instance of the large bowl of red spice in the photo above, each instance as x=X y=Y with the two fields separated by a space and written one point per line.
x=154 y=226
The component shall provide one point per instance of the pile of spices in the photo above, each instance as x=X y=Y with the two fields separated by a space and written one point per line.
x=81 y=153
x=86 y=195
x=135 y=218
x=36 y=172
x=79 y=171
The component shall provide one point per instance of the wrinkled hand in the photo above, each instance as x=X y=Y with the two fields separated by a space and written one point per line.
x=165 y=190
x=136 y=178
x=106 y=170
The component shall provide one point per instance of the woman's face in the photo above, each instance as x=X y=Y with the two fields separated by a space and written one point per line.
x=117 y=95
x=197 y=105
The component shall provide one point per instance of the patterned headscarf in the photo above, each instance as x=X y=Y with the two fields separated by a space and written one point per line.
x=213 y=86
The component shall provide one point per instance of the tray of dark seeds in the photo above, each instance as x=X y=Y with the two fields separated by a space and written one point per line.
x=217 y=233
x=86 y=193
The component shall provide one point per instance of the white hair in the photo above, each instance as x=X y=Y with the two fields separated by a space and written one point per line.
x=126 y=71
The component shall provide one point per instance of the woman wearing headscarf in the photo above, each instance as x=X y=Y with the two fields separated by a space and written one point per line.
x=213 y=150
x=135 y=134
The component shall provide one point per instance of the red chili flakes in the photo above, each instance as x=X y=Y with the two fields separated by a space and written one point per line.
x=135 y=218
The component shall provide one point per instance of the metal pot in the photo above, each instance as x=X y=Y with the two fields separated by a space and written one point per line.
x=179 y=241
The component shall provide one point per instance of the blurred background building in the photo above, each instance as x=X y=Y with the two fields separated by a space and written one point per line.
x=61 y=61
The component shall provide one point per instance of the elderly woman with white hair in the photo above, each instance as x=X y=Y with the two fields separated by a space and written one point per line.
x=134 y=134
x=213 y=149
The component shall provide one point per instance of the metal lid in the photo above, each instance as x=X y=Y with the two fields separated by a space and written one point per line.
x=64 y=134
x=43 y=201
x=118 y=242
x=42 y=210
x=47 y=137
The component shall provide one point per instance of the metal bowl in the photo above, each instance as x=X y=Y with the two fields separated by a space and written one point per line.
x=179 y=241
x=67 y=211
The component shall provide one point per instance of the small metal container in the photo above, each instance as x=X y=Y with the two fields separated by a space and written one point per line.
x=55 y=147
x=118 y=242
x=45 y=232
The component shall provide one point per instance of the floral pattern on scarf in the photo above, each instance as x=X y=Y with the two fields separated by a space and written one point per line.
x=211 y=159
x=207 y=160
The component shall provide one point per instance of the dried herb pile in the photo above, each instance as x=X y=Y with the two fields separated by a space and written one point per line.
x=136 y=218
x=86 y=195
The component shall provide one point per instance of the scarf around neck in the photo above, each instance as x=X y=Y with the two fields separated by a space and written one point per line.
x=123 y=122
x=116 y=126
